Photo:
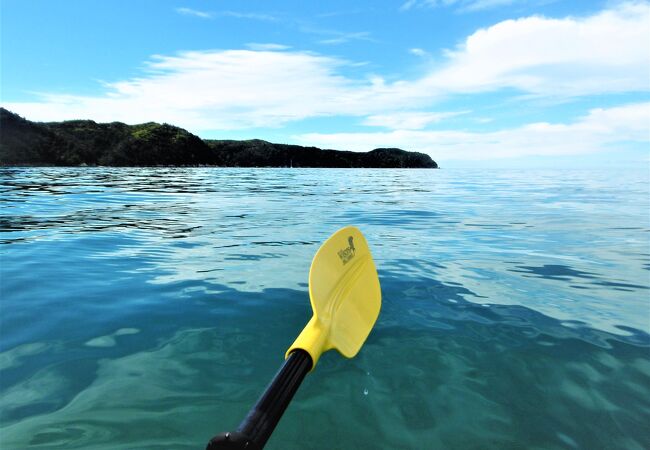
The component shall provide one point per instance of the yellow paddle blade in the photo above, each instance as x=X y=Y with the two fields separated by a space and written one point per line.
x=345 y=296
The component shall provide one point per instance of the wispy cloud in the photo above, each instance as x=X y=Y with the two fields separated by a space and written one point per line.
x=459 y=5
x=234 y=14
x=335 y=37
x=342 y=38
x=408 y=4
x=480 y=5
x=598 y=131
x=266 y=47
x=248 y=15
x=195 y=13
x=405 y=120
x=208 y=90
x=418 y=52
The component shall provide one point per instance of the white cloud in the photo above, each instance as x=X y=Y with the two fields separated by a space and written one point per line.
x=335 y=37
x=595 y=132
x=214 y=90
x=480 y=5
x=267 y=47
x=225 y=90
x=233 y=14
x=463 y=5
x=408 y=4
x=251 y=16
x=408 y=120
x=194 y=12
x=418 y=52
x=342 y=37
x=607 y=52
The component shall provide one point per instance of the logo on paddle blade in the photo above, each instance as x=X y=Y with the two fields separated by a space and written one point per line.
x=347 y=253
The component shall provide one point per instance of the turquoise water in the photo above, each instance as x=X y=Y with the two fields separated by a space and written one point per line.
x=148 y=308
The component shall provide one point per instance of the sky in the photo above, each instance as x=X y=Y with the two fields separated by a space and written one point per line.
x=473 y=83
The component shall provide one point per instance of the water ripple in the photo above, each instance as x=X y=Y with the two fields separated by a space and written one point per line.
x=148 y=307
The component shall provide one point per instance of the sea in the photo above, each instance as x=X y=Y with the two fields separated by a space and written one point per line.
x=148 y=308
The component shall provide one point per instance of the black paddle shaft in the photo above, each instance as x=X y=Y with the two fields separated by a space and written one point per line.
x=260 y=422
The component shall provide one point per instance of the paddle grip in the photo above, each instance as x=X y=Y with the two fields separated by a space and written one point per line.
x=262 y=419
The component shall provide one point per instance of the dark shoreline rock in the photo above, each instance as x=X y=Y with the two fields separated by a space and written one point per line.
x=88 y=143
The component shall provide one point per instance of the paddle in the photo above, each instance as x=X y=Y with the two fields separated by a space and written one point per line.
x=345 y=298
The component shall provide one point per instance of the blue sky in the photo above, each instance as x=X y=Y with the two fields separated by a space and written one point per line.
x=482 y=83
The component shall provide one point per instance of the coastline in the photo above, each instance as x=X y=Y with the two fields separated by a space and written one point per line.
x=80 y=143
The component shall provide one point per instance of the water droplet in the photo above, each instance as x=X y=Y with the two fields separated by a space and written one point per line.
x=365 y=391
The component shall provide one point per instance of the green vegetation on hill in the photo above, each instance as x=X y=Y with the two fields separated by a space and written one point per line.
x=85 y=142
x=261 y=153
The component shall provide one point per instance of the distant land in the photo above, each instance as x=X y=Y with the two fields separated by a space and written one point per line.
x=87 y=143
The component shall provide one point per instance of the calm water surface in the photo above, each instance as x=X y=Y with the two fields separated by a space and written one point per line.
x=148 y=308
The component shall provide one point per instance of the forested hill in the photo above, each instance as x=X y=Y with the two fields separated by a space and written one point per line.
x=85 y=142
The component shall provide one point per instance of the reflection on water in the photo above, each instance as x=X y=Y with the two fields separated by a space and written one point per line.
x=147 y=308
x=560 y=272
